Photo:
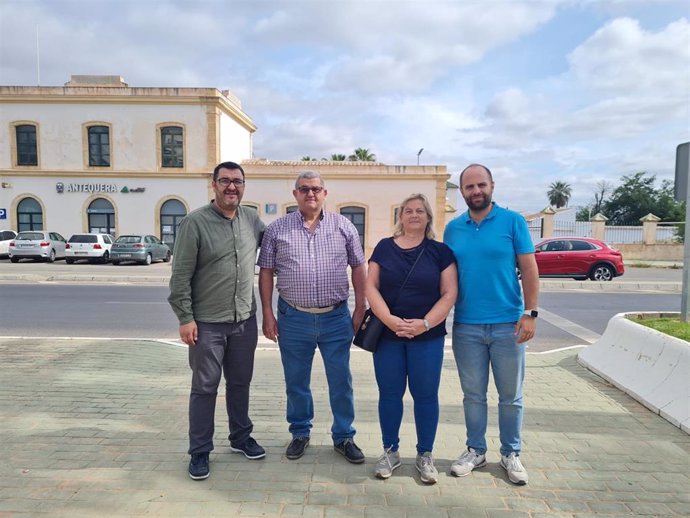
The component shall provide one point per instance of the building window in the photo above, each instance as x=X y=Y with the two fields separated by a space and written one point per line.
x=172 y=213
x=29 y=215
x=101 y=217
x=99 y=146
x=27 y=150
x=172 y=147
x=356 y=215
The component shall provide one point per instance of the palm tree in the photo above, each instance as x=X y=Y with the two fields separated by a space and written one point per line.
x=362 y=155
x=559 y=194
x=307 y=158
x=338 y=157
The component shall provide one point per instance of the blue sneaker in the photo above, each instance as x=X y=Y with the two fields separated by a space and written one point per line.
x=198 y=466
x=250 y=448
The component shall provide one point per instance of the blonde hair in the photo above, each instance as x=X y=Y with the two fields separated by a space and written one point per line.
x=429 y=231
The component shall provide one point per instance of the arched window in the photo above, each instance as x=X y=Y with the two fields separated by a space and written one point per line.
x=356 y=215
x=29 y=215
x=172 y=212
x=101 y=217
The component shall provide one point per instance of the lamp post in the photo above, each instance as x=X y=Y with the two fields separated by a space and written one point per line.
x=419 y=153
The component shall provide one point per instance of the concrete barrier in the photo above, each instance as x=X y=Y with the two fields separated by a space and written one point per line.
x=652 y=367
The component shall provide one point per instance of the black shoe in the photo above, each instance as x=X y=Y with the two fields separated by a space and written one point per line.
x=350 y=451
x=198 y=466
x=251 y=449
x=296 y=447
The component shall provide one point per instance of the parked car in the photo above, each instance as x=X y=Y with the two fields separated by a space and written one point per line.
x=5 y=237
x=579 y=258
x=37 y=244
x=92 y=247
x=142 y=249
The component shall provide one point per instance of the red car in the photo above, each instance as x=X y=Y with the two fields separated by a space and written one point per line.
x=579 y=258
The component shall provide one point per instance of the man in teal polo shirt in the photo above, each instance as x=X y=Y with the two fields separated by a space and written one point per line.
x=212 y=294
x=491 y=323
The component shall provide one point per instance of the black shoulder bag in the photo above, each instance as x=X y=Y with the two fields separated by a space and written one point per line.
x=371 y=328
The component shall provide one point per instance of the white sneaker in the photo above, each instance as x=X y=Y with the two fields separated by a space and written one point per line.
x=466 y=462
x=425 y=466
x=387 y=463
x=516 y=471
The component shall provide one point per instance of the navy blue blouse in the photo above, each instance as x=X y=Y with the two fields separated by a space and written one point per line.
x=423 y=288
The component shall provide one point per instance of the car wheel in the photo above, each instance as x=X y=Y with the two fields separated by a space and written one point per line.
x=148 y=259
x=51 y=257
x=602 y=272
x=115 y=262
x=167 y=257
x=69 y=261
x=14 y=259
x=106 y=257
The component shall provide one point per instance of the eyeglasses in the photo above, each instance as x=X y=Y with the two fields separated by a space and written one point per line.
x=225 y=182
x=305 y=190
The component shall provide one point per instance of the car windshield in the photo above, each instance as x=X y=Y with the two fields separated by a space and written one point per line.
x=83 y=239
x=128 y=239
x=29 y=236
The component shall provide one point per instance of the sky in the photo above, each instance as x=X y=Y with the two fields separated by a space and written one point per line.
x=537 y=90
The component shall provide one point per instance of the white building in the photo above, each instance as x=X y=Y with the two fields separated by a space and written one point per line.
x=99 y=156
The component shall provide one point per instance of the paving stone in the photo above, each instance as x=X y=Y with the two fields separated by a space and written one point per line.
x=109 y=439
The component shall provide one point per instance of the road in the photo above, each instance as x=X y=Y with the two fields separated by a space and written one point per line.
x=140 y=311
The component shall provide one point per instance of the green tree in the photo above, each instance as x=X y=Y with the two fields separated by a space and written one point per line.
x=637 y=196
x=362 y=155
x=339 y=157
x=559 y=194
x=308 y=158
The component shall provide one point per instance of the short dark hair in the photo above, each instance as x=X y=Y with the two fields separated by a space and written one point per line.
x=491 y=177
x=227 y=165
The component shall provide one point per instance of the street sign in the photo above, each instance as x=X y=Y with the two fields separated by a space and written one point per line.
x=3 y=213
x=680 y=188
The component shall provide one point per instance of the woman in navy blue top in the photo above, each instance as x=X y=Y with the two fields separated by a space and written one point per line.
x=411 y=348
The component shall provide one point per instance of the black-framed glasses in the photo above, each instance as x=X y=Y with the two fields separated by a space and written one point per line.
x=225 y=182
x=305 y=190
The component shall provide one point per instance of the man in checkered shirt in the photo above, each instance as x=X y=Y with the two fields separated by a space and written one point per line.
x=309 y=251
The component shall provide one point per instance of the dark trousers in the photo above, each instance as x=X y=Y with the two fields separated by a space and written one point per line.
x=228 y=348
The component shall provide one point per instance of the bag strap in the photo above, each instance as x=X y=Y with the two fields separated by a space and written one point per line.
x=408 y=276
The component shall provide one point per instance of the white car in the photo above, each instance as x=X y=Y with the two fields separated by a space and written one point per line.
x=92 y=247
x=5 y=237
x=37 y=244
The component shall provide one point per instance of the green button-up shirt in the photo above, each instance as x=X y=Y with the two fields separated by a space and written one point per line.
x=213 y=266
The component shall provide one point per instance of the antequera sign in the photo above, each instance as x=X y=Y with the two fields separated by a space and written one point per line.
x=95 y=188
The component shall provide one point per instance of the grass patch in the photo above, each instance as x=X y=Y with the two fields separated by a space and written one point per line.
x=669 y=326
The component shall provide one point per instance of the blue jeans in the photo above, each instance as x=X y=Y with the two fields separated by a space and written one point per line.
x=419 y=363
x=299 y=333
x=476 y=347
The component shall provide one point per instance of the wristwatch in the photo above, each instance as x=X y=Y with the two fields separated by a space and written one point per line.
x=531 y=313
x=426 y=324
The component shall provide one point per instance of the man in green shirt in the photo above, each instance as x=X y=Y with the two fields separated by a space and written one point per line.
x=212 y=294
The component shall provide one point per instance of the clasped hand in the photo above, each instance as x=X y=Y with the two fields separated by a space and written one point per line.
x=406 y=327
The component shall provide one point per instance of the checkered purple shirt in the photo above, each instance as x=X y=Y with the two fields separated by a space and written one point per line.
x=311 y=268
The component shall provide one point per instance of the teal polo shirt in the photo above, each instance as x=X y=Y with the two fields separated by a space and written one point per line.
x=486 y=254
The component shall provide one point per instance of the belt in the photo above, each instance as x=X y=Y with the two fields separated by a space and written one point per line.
x=316 y=311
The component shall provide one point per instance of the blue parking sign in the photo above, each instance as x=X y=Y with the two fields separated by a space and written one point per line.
x=3 y=213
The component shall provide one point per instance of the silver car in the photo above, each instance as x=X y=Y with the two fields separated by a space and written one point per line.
x=142 y=249
x=92 y=247
x=37 y=244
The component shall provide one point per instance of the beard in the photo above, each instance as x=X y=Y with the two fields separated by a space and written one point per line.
x=478 y=203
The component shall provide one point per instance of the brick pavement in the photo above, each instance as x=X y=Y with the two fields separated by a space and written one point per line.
x=99 y=429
